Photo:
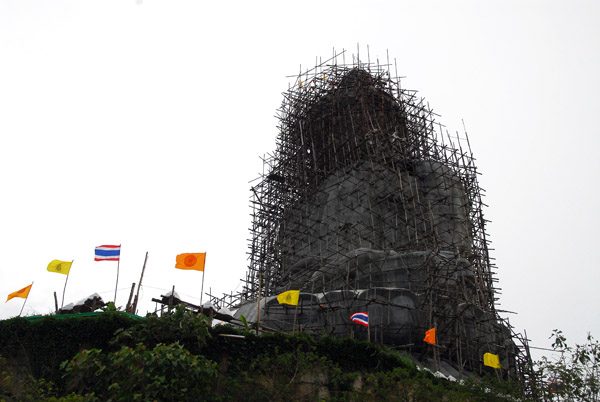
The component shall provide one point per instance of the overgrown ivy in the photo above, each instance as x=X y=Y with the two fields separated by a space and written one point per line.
x=178 y=325
x=165 y=373
x=179 y=356
x=40 y=346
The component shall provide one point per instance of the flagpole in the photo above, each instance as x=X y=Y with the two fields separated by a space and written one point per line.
x=436 y=355
x=65 y=288
x=369 y=329
x=117 y=283
x=25 y=300
x=295 y=314
x=258 y=311
x=202 y=287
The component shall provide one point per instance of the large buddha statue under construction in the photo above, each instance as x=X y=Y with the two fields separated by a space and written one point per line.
x=361 y=209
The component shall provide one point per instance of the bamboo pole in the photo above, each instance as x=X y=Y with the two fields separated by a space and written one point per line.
x=135 y=302
x=171 y=297
x=128 y=305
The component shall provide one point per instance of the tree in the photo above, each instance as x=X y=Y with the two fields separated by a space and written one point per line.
x=575 y=375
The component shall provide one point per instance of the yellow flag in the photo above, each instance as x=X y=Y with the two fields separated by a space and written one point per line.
x=491 y=360
x=289 y=297
x=60 y=267
x=23 y=293
x=193 y=261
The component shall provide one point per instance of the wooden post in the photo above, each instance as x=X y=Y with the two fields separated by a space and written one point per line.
x=128 y=306
x=171 y=297
x=135 y=302
x=55 y=304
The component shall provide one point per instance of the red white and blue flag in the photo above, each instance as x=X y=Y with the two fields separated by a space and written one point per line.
x=108 y=253
x=360 y=318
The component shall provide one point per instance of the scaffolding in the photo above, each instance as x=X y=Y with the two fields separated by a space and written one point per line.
x=368 y=205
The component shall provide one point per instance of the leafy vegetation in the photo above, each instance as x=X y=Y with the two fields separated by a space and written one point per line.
x=166 y=373
x=180 y=357
x=178 y=325
x=575 y=375
x=41 y=344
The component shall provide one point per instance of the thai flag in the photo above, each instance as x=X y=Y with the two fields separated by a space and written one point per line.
x=360 y=318
x=108 y=253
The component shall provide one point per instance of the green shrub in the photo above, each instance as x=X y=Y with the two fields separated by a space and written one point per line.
x=179 y=325
x=41 y=345
x=15 y=386
x=173 y=358
x=165 y=373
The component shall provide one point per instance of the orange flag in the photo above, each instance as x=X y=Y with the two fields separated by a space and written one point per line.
x=23 y=293
x=193 y=261
x=430 y=336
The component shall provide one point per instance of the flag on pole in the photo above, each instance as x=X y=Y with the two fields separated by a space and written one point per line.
x=360 y=318
x=60 y=267
x=23 y=293
x=491 y=360
x=193 y=261
x=289 y=297
x=430 y=336
x=108 y=253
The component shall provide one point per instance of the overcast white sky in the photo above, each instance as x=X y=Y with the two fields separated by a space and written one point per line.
x=141 y=122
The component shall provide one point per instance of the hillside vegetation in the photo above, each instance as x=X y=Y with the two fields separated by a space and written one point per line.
x=181 y=357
